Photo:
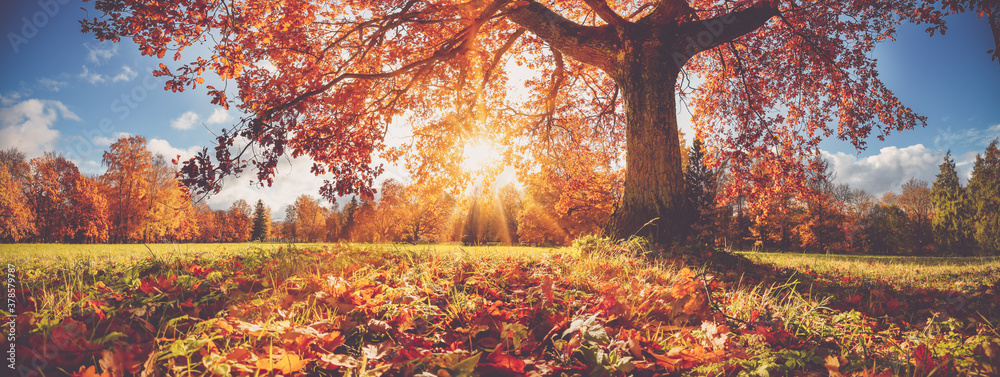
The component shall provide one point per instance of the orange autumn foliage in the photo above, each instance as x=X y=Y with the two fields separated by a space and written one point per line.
x=330 y=80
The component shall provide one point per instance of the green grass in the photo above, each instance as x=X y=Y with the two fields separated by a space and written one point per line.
x=784 y=315
x=904 y=272
x=29 y=252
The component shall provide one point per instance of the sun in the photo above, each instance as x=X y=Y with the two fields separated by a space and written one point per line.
x=479 y=155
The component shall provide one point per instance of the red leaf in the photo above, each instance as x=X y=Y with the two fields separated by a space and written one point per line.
x=501 y=363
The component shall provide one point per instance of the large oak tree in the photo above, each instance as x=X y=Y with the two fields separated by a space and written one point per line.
x=327 y=78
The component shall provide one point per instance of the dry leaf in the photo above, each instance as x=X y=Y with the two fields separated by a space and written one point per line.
x=833 y=365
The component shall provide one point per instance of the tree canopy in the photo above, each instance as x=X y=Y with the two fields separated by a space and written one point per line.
x=326 y=79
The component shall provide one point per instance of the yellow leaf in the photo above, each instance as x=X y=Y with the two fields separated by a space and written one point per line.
x=287 y=364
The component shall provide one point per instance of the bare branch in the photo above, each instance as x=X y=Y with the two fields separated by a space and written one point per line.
x=499 y=54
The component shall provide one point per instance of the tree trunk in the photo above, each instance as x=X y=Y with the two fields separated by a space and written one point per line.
x=653 y=197
x=644 y=57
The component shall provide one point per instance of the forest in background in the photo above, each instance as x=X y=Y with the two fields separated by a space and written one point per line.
x=139 y=199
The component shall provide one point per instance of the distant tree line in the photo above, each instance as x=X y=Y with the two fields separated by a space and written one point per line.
x=138 y=199
x=939 y=218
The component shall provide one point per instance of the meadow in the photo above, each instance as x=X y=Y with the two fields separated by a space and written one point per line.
x=449 y=310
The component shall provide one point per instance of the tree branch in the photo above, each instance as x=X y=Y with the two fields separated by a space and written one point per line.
x=606 y=13
x=667 y=11
x=499 y=54
x=708 y=33
x=591 y=45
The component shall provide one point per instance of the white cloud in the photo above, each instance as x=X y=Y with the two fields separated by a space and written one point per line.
x=163 y=147
x=107 y=141
x=127 y=74
x=92 y=77
x=99 y=55
x=10 y=99
x=948 y=139
x=102 y=140
x=293 y=179
x=219 y=116
x=887 y=170
x=50 y=84
x=185 y=121
x=27 y=125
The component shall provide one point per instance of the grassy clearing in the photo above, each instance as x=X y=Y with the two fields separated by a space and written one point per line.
x=35 y=252
x=323 y=309
x=905 y=273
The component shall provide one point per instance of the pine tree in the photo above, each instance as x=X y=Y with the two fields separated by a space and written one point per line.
x=951 y=211
x=984 y=194
x=700 y=185
x=261 y=222
x=349 y=211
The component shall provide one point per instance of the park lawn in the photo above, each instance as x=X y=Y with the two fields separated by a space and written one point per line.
x=448 y=310
x=904 y=272
x=30 y=253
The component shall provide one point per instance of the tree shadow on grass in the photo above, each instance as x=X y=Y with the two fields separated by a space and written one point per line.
x=872 y=296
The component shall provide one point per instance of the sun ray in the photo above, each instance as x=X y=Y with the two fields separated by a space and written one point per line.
x=480 y=154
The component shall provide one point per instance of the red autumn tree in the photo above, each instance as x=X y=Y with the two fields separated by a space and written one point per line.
x=425 y=213
x=164 y=203
x=239 y=222
x=68 y=206
x=383 y=220
x=127 y=187
x=326 y=79
x=570 y=196
x=17 y=219
x=305 y=220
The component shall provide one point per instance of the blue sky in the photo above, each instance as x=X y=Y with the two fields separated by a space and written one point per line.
x=66 y=92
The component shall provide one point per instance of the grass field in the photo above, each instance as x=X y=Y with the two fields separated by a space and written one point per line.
x=449 y=310
x=35 y=252
x=901 y=272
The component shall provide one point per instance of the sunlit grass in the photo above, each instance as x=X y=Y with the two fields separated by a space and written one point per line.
x=445 y=288
x=903 y=272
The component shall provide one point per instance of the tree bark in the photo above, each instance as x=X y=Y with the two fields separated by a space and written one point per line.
x=645 y=58
x=653 y=196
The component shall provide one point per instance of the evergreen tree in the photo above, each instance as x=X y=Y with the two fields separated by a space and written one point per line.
x=984 y=194
x=261 y=222
x=701 y=186
x=349 y=211
x=951 y=211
